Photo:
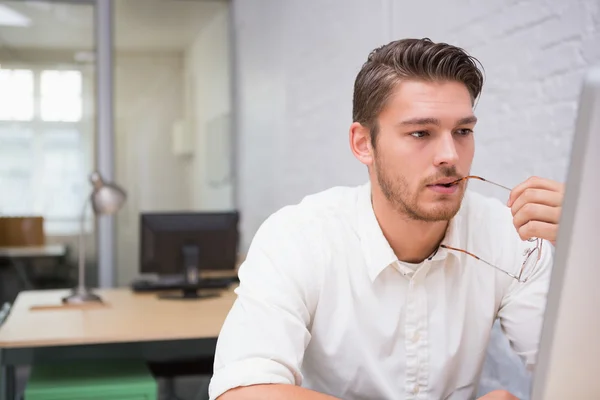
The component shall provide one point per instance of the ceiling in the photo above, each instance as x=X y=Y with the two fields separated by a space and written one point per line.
x=140 y=25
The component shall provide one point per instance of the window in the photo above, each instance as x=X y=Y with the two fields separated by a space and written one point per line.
x=61 y=96
x=43 y=146
x=16 y=95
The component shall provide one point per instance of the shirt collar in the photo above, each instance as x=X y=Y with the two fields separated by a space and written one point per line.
x=375 y=247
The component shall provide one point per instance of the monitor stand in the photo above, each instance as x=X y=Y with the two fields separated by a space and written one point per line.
x=188 y=294
x=190 y=289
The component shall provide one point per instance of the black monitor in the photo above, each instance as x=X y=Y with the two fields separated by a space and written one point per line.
x=186 y=243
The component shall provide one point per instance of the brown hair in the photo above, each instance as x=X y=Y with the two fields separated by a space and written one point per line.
x=419 y=59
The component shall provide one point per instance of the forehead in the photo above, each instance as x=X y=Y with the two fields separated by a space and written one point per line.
x=429 y=99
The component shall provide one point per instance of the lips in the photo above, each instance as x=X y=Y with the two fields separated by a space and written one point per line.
x=445 y=186
x=446 y=182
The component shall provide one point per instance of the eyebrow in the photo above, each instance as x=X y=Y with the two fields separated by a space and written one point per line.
x=434 y=121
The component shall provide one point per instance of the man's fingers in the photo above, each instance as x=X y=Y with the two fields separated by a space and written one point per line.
x=538 y=229
x=536 y=207
x=534 y=182
x=536 y=212
x=536 y=196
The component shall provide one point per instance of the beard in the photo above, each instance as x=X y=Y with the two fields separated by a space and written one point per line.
x=397 y=192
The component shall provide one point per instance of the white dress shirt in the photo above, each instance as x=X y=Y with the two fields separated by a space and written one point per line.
x=324 y=303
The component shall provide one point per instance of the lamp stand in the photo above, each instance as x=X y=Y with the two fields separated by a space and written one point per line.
x=82 y=294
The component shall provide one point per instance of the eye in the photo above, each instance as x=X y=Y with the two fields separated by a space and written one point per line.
x=419 y=134
x=464 y=132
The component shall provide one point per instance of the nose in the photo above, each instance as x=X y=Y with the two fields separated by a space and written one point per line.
x=446 y=153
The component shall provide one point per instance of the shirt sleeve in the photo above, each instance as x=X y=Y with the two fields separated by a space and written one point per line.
x=267 y=330
x=521 y=312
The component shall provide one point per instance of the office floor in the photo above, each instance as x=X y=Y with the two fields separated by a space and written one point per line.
x=186 y=388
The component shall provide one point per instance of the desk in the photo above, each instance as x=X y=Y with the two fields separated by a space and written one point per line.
x=51 y=250
x=19 y=256
x=131 y=325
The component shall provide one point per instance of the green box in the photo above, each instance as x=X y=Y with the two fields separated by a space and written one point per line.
x=92 y=380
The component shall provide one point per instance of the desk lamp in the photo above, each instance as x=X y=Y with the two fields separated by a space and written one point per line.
x=106 y=199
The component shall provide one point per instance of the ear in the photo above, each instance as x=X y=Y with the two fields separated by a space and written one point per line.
x=360 y=143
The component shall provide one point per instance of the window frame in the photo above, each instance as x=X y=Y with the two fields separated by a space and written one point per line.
x=60 y=226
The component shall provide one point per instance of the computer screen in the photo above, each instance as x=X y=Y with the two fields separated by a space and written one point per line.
x=570 y=341
x=172 y=242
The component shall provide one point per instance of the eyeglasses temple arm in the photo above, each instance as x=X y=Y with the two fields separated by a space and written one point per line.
x=499 y=185
x=485 y=180
x=480 y=259
x=500 y=269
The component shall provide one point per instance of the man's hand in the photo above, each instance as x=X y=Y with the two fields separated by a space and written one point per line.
x=498 y=395
x=536 y=205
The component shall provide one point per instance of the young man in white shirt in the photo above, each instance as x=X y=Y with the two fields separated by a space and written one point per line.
x=389 y=290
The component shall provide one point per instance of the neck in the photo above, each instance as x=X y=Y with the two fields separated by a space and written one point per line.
x=412 y=240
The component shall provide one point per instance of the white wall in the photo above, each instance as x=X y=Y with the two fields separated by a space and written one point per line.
x=148 y=100
x=208 y=97
x=296 y=62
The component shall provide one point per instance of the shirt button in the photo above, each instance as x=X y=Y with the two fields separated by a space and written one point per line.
x=416 y=337
x=416 y=389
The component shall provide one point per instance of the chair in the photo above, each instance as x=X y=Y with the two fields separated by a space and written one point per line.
x=169 y=371
x=92 y=380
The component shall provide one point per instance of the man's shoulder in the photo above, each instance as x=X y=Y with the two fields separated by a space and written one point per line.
x=317 y=211
x=329 y=203
x=332 y=201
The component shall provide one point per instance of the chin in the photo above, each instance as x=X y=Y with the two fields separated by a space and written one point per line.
x=440 y=210
x=439 y=215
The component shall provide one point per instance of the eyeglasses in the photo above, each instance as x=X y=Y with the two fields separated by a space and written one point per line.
x=532 y=255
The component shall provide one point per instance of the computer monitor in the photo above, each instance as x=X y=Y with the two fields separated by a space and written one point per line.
x=185 y=244
x=570 y=341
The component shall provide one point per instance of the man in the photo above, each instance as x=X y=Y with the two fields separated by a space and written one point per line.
x=377 y=292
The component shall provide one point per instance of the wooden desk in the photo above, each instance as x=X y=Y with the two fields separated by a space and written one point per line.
x=51 y=250
x=19 y=256
x=130 y=325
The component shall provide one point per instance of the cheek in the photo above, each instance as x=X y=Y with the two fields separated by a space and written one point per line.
x=467 y=151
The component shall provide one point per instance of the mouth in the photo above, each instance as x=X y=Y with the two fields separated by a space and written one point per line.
x=445 y=186
x=447 y=182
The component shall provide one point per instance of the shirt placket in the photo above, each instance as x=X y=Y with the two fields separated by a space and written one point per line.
x=416 y=336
